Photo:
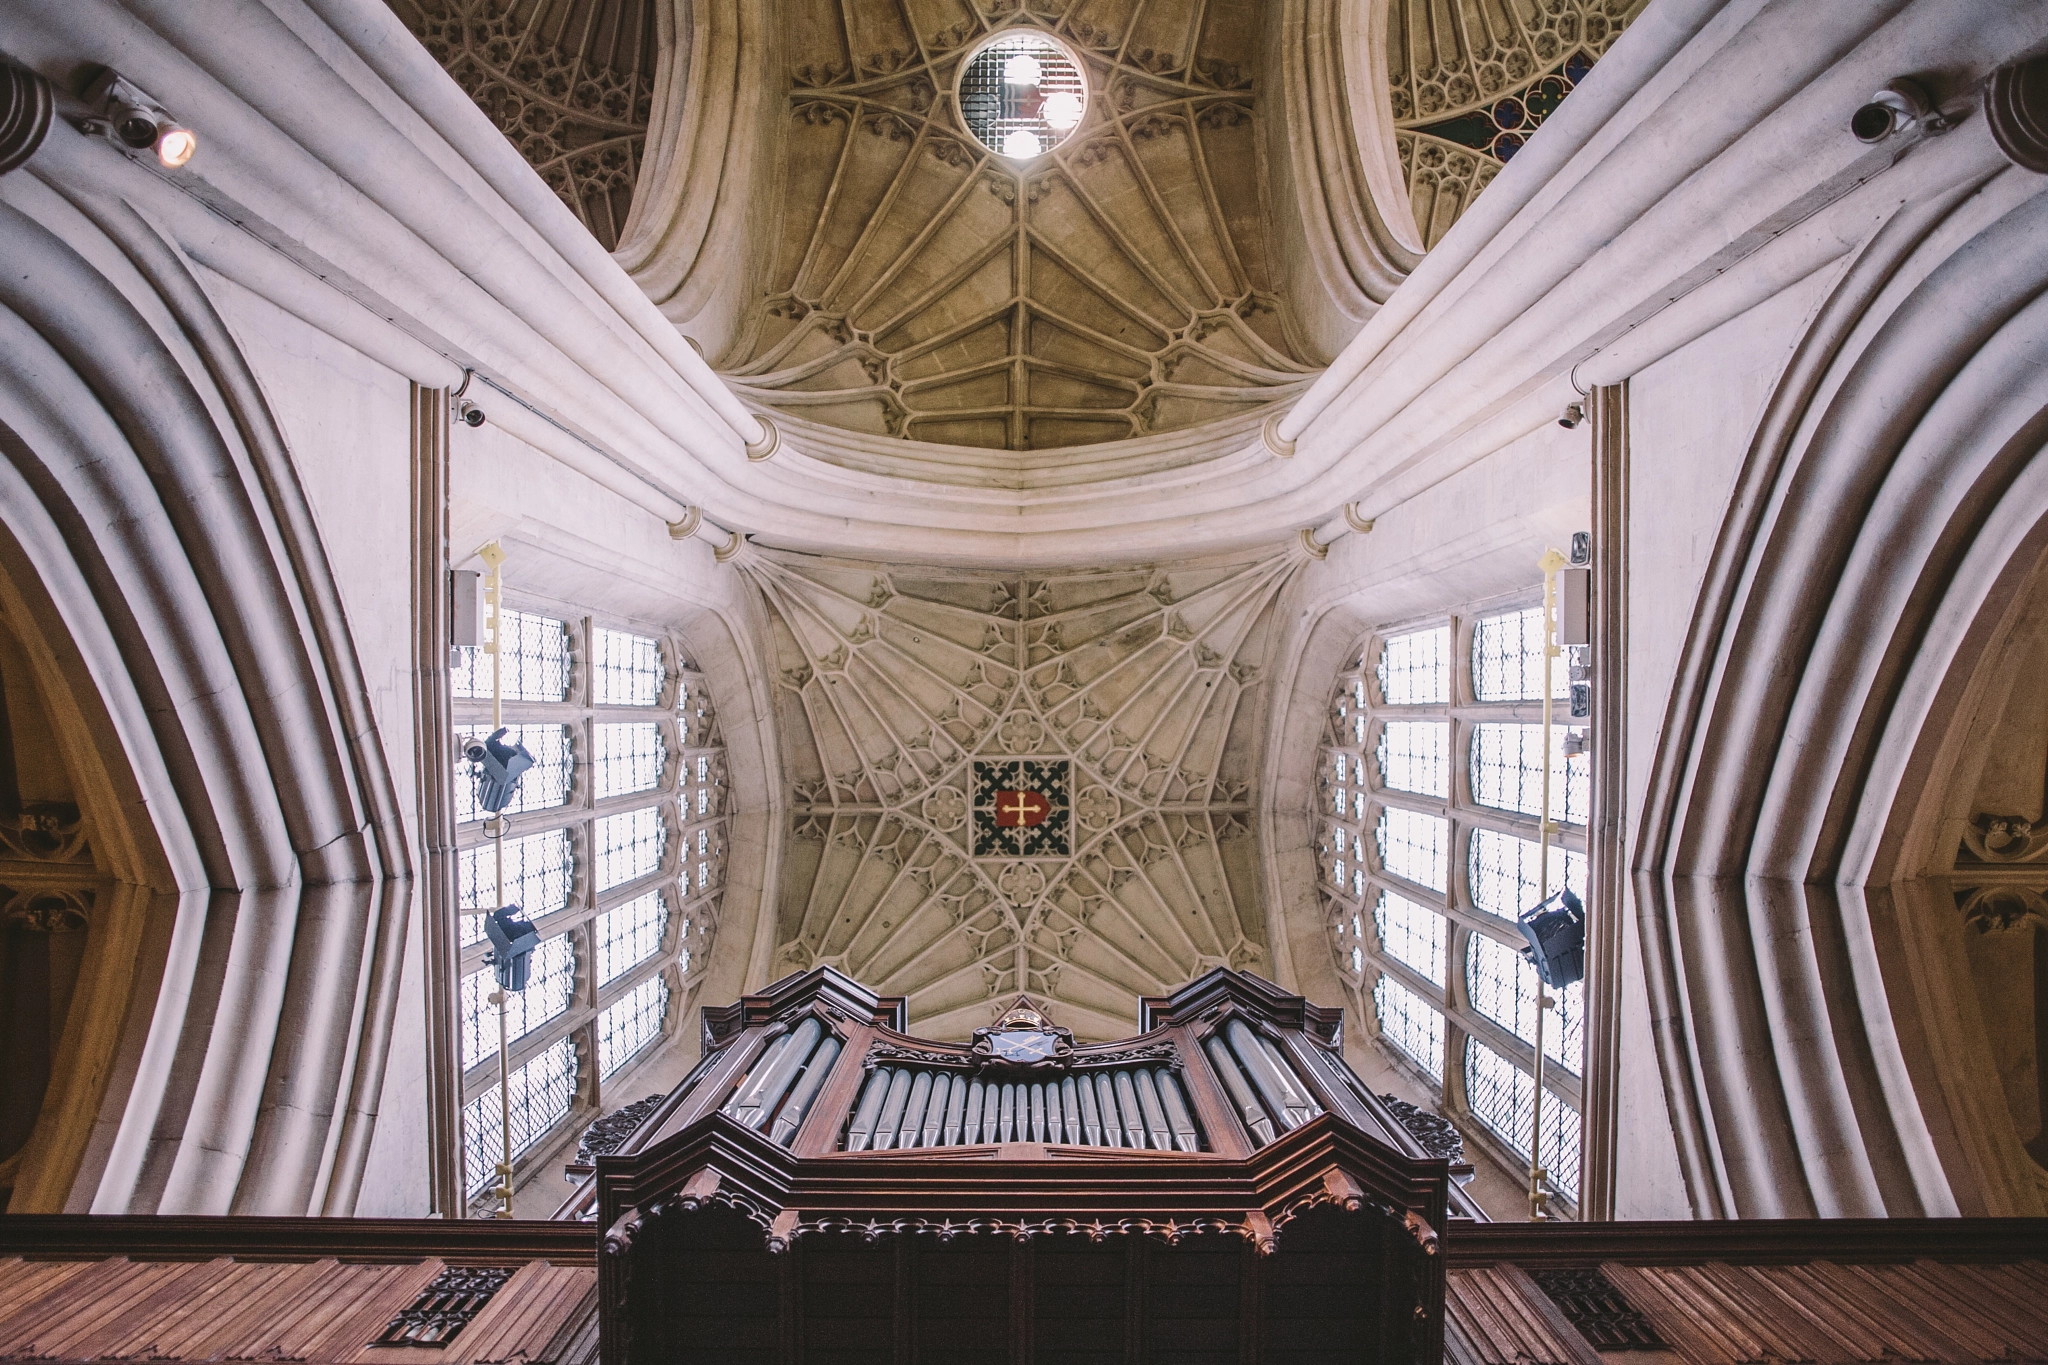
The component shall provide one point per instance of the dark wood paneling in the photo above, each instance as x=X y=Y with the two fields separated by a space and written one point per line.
x=482 y=1241
x=1758 y=1241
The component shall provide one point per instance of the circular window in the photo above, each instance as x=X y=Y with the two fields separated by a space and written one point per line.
x=1021 y=94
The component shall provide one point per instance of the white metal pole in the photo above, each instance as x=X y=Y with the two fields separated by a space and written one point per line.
x=494 y=582
x=1551 y=562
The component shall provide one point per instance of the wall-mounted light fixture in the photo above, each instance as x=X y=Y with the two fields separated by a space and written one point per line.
x=130 y=117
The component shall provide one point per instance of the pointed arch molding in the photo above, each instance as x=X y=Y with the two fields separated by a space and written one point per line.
x=1788 y=876
x=1141 y=687
x=152 y=499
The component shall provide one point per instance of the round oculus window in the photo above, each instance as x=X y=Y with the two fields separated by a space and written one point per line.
x=1021 y=94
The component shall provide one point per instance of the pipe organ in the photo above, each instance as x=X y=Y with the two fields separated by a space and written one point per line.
x=1222 y=1171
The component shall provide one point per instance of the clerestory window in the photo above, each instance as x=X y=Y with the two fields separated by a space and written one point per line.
x=615 y=849
x=1429 y=792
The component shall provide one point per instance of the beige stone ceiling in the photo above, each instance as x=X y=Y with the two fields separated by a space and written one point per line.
x=569 y=81
x=890 y=684
x=924 y=288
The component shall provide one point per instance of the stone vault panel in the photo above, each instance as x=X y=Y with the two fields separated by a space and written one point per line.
x=1131 y=689
x=925 y=288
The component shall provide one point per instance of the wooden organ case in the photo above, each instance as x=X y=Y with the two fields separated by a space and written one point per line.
x=826 y=1187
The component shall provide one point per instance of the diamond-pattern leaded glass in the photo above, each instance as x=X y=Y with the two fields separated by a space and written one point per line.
x=533 y=665
x=542 y=787
x=1415 y=846
x=1502 y=986
x=1503 y=873
x=1501 y=1095
x=625 y=758
x=550 y=982
x=630 y=1024
x=1415 y=669
x=629 y=935
x=541 y=1092
x=539 y=873
x=1385 y=770
x=1507 y=659
x=1507 y=771
x=1410 y=1024
x=1415 y=756
x=625 y=669
x=629 y=846
x=1412 y=935
x=608 y=880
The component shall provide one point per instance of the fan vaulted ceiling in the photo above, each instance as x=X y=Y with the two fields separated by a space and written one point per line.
x=1137 y=685
x=926 y=288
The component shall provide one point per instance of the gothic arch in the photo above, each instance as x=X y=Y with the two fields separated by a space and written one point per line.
x=153 y=501
x=1891 y=487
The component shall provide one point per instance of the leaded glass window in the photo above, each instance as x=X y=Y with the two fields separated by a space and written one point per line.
x=630 y=1024
x=629 y=846
x=1502 y=1096
x=626 y=898
x=542 y=1093
x=1414 y=846
x=626 y=669
x=1415 y=756
x=626 y=757
x=540 y=872
x=629 y=935
x=1410 y=1024
x=1412 y=935
x=544 y=786
x=1507 y=771
x=1426 y=825
x=533 y=663
x=550 y=982
x=1414 y=669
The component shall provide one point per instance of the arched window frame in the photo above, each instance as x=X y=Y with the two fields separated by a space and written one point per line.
x=692 y=800
x=1350 y=906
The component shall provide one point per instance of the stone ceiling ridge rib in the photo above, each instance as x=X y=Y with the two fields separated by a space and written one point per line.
x=1023 y=783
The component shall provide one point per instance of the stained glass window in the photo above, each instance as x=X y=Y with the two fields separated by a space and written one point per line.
x=1410 y=1024
x=542 y=787
x=550 y=982
x=629 y=935
x=626 y=758
x=629 y=846
x=1501 y=1095
x=1411 y=934
x=1507 y=771
x=625 y=669
x=539 y=874
x=1415 y=756
x=534 y=663
x=1415 y=846
x=631 y=1024
x=541 y=1093
x=1415 y=669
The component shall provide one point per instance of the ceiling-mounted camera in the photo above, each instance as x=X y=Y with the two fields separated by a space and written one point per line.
x=1900 y=103
x=1573 y=415
x=468 y=413
x=133 y=119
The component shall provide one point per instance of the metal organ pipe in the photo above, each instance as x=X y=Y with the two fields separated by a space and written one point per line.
x=865 y=1114
x=913 y=1110
x=892 y=1111
x=805 y=1090
x=905 y=1107
x=1275 y=1087
x=956 y=1098
x=1153 y=1110
x=1255 y=1118
x=775 y=1079
x=1178 y=1116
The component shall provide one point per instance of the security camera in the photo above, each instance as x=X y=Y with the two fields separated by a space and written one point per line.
x=1573 y=415
x=470 y=413
x=1899 y=103
x=497 y=768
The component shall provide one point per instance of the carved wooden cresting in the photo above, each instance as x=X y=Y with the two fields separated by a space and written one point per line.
x=824 y=1180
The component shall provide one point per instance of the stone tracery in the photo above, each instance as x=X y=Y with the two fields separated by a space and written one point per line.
x=894 y=684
